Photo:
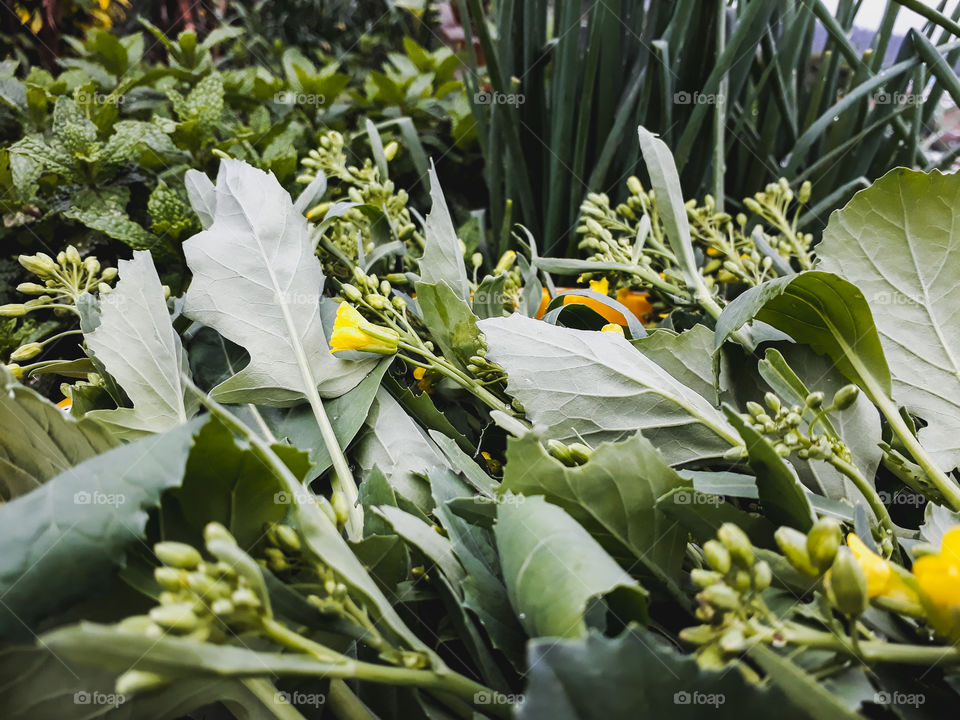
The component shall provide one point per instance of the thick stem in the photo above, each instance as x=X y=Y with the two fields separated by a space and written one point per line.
x=443 y=681
x=266 y=693
x=876 y=650
x=869 y=493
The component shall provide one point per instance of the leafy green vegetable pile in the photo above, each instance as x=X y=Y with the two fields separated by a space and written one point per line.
x=342 y=473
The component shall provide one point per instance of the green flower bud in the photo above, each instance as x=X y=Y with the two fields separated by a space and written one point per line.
x=108 y=274
x=762 y=575
x=705 y=578
x=134 y=681
x=351 y=293
x=245 y=598
x=177 y=555
x=91 y=265
x=823 y=541
x=846 y=584
x=719 y=596
x=845 y=397
x=698 y=634
x=755 y=409
x=29 y=288
x=580 y=453
x=560 y=451
x=169 y=578
x=505 y=263
x=73 y=257
x=793 y=544
x=772 y=401
x=718 y=557
x=287 y=538
x=634 y=185
x=216 y=531
x=178 y=616
x=40 y=264
x=805 y=190
x=222 y=607
x=815 y=399
x=13 y=310
x=26 y=352
x=737 y=542
x=733 y=641
x=742 y=581
x=390 y=151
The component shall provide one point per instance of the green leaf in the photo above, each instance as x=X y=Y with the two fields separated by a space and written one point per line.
x=821 y=310
x=41 y=442
x=257 y=282
x=913 y=287
x=595 y=386
x=803 y=690
x=937 y=521
x=66 y=537
x=136 y=343
x=779 y=490
x=347 y=414
x=688 y=356
x=618 y=508
x=636 y=675
x=442 y=260
x=451 y=322
x=554 y=570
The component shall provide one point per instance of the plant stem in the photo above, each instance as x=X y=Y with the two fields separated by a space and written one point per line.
x=869 y=493
x=949 y=489
x=875 y=650
x=266 y=692
x=443 y=681
x=345 y=705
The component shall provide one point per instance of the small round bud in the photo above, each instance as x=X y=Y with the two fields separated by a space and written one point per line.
x=793 y=544
x=169 y=578
x=846 y=584
x=26 y=352
x=720 y=596
x=216 y=531
x=178 y=616
x=108 y=274
x=815 y=399
x=762 y=575
x=823 y=541
x=351 y=293
x=287 y=538
x=845 y=397
x=718 y=557
x=772 y=401
x=177 y=555
x=737 y=542
x=73 y=257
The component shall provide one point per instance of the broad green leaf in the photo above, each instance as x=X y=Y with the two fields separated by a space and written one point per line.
x=613 y=495
x=702 y=514
x=257 y=282
x=347 y=414
x=937 y=521
x=67 y=536
x=136 y=343
x=637 y=675
x=779 y=490
x=392 y=441
x=821 y=310
x=597 y=387
x=688 y=356
x=804 y=691
x=442 y=260
x=451 y=322
x=554 y=570
x=899 y=242
x=38 y=441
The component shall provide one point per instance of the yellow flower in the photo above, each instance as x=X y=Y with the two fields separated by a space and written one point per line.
x=351 y=331
x=883 y=580
x=939 y=575
x=613 y=328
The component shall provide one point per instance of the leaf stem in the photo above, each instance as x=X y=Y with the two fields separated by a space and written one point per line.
x=869 y=493
x=266 y=692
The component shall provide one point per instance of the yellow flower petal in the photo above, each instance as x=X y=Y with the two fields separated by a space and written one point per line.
x=601 y=286
x=875 y=568
x=613 y=328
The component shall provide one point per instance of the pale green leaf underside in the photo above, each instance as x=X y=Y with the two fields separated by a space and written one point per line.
x=597 y=387
x=138 y=346
x=899 y=242
x=255 y=276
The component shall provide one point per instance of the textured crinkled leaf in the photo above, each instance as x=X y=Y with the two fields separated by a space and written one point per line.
x=899 y=242
x=451 y=322
x=596 y=386
x=554 y=569
x=138 y=346
x=442 y=260
x=37 y=441
x=258 y=283
x=636 y=675
x=688 y=356
x=68 y=536
x=613 y=495
x=131 y=137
